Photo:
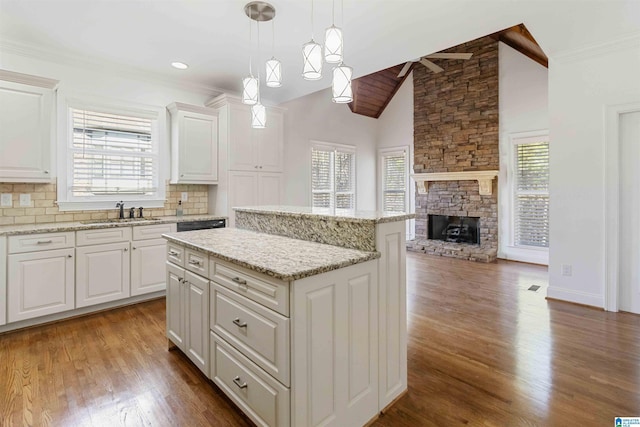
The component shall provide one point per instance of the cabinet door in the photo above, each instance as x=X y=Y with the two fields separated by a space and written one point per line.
x=269 y=188
x=3 y=278
x=175 y=305
x=335 y=347
x=25 y=132
x=197 y=308
x=147 y=266
x=198 y=148
x=102 y=273
x=270 y=143
x=243 y=191
x=39 y=283
x=242 y=153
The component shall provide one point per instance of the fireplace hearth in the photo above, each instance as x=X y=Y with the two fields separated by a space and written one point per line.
x=457 y=229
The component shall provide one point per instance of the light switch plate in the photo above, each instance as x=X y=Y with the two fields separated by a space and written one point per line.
x=25 y=200
x=5 y=200
x=184 y=196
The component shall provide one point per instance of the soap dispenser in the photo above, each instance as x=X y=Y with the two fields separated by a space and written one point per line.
x=179 y=210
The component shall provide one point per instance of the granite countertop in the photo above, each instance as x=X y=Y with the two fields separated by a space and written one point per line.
x=328 y=214
x=53 y=227
x=280 y=257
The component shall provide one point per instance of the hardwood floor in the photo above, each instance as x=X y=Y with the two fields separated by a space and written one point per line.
x=483 y=351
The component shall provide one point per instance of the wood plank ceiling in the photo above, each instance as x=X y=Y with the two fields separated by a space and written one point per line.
x=373 y=92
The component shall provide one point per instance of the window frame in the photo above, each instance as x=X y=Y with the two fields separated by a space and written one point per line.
x=514 y=141
x=329 y=146
x=66 y=201
x=385 y=152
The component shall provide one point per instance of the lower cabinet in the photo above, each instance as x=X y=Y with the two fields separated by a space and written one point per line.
x=102 y=273
x=188 y=314
x=147 y=266
x=3 y=278
x=40 y=283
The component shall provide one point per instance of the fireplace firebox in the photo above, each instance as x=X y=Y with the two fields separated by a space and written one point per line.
x=458 y=229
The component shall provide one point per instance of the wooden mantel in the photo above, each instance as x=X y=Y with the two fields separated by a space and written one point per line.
x=484 y=179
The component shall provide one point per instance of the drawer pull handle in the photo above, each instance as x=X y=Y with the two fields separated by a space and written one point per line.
x=44 y=242
x=238 y=323
x=194 y=262
x=236 y=381
x=173 y=253
x=239 y=281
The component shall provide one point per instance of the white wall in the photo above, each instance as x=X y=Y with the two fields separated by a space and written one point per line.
x=581 y=86
x=315 y=117
x=523 y=103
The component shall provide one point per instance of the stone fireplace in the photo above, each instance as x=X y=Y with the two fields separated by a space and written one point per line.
x=456 y=131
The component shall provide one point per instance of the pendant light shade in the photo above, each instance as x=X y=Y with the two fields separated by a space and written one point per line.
x=258 y=116
x=274 y=73
x=341 y=85
x=312 y=57
x=333 y=45
x=250 y=90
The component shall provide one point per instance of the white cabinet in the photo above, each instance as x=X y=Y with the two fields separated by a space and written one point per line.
x=252 y=189
x=102 y=273
x=194 y=144
x=188 y=314
x=3 y=278
x=26 y=127
x=148 y=254
x=39 y=283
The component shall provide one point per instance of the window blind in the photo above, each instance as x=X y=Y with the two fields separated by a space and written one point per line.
x=532 y=195
x=394 y=182
x=332 y=178
x=112 y=154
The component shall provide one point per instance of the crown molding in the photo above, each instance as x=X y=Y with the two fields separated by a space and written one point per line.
x=66 y=58
x=627 y=42
x=28 y=79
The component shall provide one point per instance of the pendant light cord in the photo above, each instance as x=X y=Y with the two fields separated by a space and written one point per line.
x=273 y=38
x=333 y=12
x=311 y=19
x=250 y=48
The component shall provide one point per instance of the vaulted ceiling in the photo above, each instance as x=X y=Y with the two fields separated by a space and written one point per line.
x=373 y=92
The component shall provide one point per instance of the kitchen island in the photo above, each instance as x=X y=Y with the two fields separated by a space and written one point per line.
x=286 y=328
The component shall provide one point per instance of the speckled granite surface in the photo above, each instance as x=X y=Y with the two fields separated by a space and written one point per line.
x=354 y=230
x=276 y=256
x=53 y=227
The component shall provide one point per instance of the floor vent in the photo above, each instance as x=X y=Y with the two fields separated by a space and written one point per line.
x=534 y=288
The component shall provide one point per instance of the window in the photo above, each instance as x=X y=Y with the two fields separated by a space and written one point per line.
x=531 y=193
x=333 y=176
x=394 y=180
x=111 y=155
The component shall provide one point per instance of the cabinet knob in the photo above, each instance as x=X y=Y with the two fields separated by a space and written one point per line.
x=260 y=167
x=173 y=253
x=134 y=248
x=194 y=262
x=126 y=249
x=46 y=172
x=255 y=167
x=239 y=281
x=239 y=323
x=236 y=381
x=69 y=256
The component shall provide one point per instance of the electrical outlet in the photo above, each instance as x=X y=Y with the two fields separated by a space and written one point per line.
x=567 y=270
x=5 y=200
x=184 y=196
x=25 y=200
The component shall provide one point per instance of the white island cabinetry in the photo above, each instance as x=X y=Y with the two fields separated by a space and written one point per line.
x=290 y=348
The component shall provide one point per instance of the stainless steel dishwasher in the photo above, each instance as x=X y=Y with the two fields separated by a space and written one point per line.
x=201 y=224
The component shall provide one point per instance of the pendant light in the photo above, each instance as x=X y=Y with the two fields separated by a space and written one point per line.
x=273 y=76
x=312 y=57
x=341 y=84
x=333 y=40
x=250 y=83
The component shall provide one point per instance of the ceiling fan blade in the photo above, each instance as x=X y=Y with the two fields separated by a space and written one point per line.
x=450 y=56
x=405 y=69
x=430 y=65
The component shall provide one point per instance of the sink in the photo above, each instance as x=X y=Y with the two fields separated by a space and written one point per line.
x=118 y=221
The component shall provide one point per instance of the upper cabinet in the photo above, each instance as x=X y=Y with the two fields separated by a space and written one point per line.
x=259 y=150
x=194 y=144
x=26 y=127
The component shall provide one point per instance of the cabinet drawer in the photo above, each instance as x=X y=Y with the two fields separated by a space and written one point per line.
x=260 y=397
x=175 y=254
x=196 y=262
x=257 y=332
x=41 y=242
x=270 y=292
x=143 y=232
x=103 y=235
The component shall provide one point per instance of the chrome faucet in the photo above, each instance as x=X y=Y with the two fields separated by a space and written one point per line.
x=121 y=206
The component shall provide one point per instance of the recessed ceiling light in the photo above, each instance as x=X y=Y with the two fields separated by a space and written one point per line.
x=179 y=65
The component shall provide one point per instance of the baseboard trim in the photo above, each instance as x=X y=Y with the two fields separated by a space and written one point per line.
x=576 y=297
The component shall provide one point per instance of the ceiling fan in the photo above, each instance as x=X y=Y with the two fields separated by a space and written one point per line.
x=430 y=65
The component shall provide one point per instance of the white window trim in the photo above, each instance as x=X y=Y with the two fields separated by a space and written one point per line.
x=512 y=251
x=65 y=201
x=411 y=194
x=382 y=153
x=330 y=146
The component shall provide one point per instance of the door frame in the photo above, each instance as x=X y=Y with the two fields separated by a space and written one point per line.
x=612 y=201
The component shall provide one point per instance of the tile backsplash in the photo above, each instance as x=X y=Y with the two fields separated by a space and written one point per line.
x=43 y=207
